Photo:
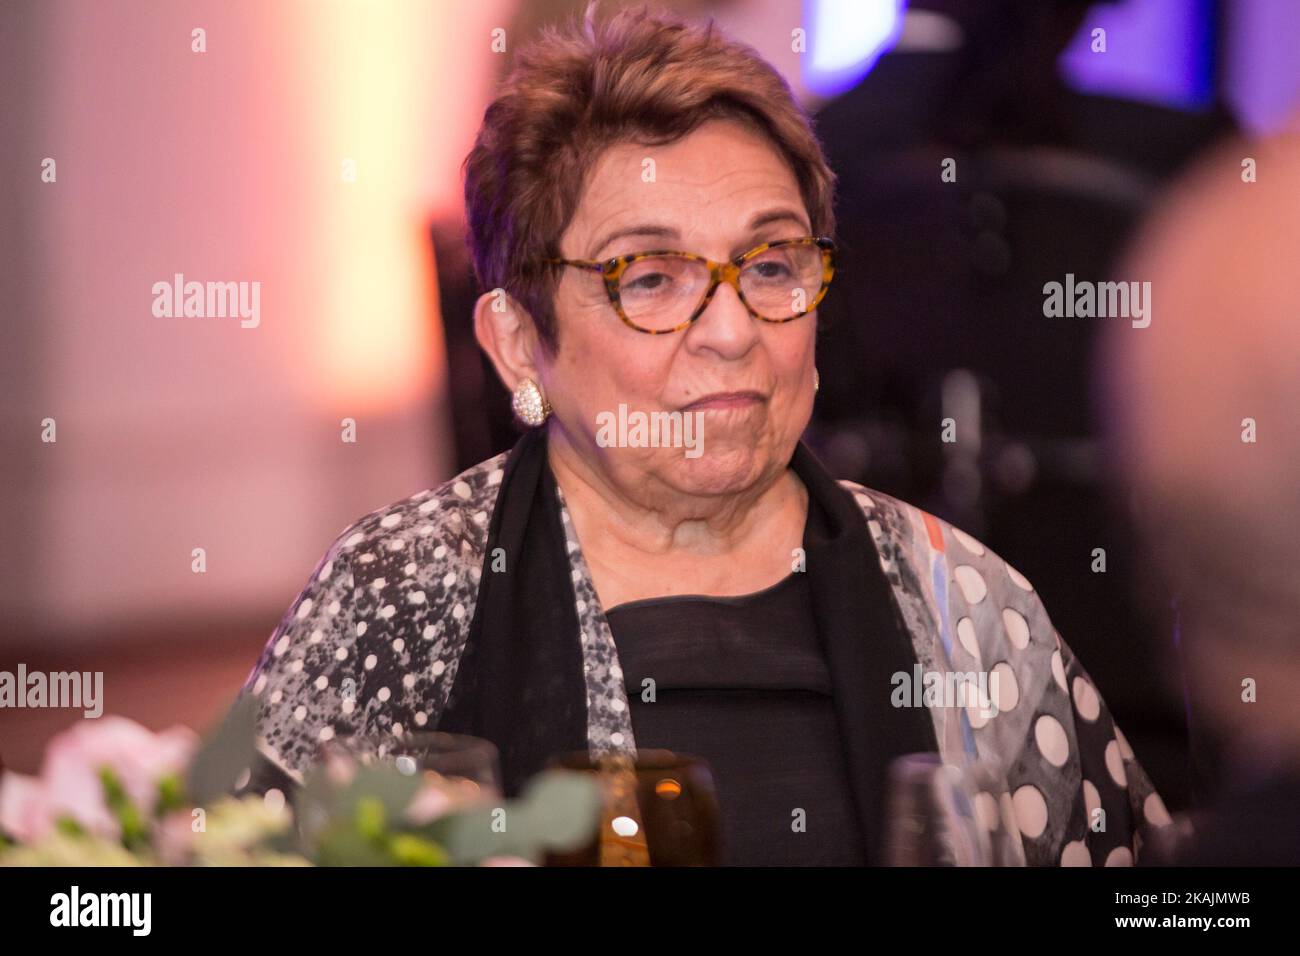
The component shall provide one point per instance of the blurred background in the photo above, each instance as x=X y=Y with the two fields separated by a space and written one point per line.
x=315 y=148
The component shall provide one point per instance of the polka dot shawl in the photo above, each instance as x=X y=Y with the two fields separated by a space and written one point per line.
x=372 y=644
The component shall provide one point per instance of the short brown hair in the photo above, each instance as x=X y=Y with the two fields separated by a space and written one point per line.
x=642 y=75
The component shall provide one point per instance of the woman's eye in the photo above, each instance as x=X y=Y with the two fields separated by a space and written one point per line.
x=648 y=283
x=770 y=270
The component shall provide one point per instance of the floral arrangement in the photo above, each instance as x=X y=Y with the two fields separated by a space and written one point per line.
x=112 y=793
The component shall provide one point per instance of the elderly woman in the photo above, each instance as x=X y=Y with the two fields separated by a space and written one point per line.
x=651 y=213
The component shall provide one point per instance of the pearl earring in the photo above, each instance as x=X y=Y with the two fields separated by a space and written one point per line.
x=530 y=405
x=817 y=381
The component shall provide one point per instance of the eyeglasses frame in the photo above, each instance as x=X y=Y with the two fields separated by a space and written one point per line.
x=719 y=272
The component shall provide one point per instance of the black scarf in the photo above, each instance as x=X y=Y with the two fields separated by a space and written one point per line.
x=520 y=679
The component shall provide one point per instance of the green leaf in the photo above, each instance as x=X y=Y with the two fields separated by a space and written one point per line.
x=171 y=795
x=563 y=808
x=69 y=826
x=225 y=753
x=410 y=850
x=374 y=799
x=385 y=783
x=322 y=798
x=135 y=835
x=369 y=818
x=558 y=810
x=341 y=845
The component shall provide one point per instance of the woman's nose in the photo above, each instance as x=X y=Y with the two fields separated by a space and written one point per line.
x=725 y=325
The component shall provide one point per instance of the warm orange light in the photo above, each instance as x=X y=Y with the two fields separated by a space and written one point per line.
x=668 y=788
x=373 y=70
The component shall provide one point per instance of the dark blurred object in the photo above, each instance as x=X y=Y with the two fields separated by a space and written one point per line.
x=481 y=420
x=1218 y=508
x=673 y=813
x=937 y=312
x=1250 y=821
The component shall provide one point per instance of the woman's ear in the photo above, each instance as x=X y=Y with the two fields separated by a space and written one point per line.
x=506 y=333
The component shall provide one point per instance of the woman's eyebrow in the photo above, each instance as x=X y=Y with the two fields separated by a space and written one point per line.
x=765 y=219
x=657 y=231
x=643 y=229
x=777 y=215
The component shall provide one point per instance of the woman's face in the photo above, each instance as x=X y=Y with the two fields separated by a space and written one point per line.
x=717 y=192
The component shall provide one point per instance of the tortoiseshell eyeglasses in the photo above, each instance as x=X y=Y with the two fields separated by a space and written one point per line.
x=664 y=291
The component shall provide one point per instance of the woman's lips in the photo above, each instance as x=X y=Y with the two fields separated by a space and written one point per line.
x=724 y=401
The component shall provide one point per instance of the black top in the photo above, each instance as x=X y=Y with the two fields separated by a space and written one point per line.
x=521 y=681
x=742 y=683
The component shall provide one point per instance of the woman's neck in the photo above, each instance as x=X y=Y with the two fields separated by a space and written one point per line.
x=657 y=541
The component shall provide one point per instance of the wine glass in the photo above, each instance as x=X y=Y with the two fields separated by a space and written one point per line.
x=943 y=814
x=454 y=772
x=455 y=769
x=659 y=810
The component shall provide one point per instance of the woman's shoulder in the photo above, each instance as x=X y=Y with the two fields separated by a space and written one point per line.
x=443 y=524
x=371 y=643
x=969 y=611
x=911 y=531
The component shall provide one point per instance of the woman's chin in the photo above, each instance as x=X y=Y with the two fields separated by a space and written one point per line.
x=718 y=471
